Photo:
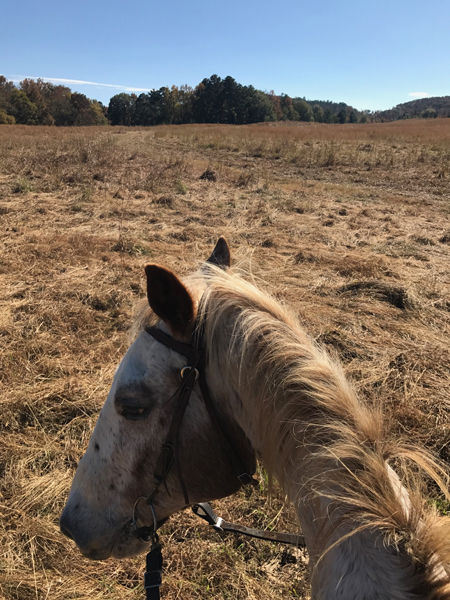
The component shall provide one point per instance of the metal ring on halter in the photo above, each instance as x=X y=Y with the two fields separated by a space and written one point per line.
x=134 y=520
x=155 y=522
x=153 y=533
x=184 y=369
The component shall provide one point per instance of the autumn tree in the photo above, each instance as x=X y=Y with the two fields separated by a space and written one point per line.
x=99 y=112
x=83 y=114
x=57 y=98
x=276 y=105
x=34 y=91
x=6 y=119
x=289 y=112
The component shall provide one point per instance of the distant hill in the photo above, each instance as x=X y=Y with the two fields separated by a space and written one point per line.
x=437 y=106
x=334 y=107
x=326 y=111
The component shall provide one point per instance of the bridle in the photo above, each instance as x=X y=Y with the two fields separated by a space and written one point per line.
x=169 y=457
x=195 y=370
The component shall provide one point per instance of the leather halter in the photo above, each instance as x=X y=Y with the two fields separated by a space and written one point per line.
x=169 y=454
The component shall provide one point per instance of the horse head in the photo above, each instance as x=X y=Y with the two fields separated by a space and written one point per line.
x=131 y=473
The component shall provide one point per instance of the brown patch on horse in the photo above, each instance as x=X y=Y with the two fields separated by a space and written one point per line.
x=170 y=300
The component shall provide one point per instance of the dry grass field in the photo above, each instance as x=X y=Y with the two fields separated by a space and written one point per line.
x=350 y=224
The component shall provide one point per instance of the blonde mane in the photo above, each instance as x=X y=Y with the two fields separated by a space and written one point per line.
x=317 y=420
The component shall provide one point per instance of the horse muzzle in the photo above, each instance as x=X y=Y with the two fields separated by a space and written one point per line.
x=70 y=527
x=97 y=539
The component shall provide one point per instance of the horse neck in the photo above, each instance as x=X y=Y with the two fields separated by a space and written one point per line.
x=362 y=567
x=350 y=569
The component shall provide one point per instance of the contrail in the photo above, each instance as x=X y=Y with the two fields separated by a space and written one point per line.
x=126 y=88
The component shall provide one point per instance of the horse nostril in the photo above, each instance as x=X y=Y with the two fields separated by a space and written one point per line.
x=63 y=527
x=66 y=532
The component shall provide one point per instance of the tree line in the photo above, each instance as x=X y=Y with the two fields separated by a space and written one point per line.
x=217 y=100
x=214 y=100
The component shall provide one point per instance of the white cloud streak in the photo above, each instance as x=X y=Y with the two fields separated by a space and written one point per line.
x=419 y=95
x=125 y=88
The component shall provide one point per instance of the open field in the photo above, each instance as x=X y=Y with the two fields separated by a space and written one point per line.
x=350 y=224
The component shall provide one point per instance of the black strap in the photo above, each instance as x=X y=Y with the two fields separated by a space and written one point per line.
x=190 y=352
x=152 y=577
x=169 y=452
x=205 y=511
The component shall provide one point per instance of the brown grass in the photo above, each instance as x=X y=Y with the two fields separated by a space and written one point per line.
x=332 y=218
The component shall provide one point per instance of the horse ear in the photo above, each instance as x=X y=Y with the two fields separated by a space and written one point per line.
x=170 y=300
x=221 y=255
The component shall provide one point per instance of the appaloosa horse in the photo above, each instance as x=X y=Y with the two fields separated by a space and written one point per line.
x=164 y=440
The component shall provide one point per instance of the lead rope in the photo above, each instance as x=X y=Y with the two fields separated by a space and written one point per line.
x=154 y=562
x=152 y=576
x=205 y=511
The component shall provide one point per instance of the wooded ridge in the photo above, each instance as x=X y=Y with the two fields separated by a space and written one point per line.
x=214 y=100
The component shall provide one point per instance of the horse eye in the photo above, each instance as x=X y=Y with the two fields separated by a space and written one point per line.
x=132 y=413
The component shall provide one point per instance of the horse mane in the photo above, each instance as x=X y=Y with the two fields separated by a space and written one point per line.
x=316 y=419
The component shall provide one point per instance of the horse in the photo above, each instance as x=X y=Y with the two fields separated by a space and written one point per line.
x=270 y=392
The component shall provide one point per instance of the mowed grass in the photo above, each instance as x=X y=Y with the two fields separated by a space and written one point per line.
x=348 y=224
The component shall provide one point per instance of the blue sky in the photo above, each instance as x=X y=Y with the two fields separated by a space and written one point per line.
x=372 y=55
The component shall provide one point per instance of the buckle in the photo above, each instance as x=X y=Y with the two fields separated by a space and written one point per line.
x=152 y=579
x=184 y=369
